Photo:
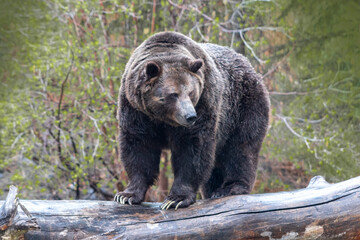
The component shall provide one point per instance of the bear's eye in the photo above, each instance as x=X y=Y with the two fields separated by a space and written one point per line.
x=192 y=94
x=173 y=96
x=162 y=99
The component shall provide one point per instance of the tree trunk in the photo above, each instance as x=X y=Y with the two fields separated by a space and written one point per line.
x=320 y=211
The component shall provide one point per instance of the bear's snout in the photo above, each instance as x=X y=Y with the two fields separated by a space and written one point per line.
x=190 y=117
x=186 y=114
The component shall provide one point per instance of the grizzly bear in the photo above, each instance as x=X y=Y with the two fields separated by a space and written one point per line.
x=206 y=104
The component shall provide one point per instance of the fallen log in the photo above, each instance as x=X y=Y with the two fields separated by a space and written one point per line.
x=320 y=211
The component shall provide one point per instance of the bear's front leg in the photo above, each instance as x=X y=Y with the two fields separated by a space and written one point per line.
x=192 y=162
x=141 y=161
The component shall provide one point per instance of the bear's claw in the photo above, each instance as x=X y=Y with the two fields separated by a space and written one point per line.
x=177 y=205
x=179 y=199
x=123 y=199
x=175 y=201
x=168 y=203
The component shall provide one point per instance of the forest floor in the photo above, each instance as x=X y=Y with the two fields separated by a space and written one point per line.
x=276 y=176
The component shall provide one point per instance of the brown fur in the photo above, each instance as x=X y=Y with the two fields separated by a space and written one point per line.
x=204 y=102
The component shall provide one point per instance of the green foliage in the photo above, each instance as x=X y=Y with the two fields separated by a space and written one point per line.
x=53 y=147
x=325 y=81
x=62 y=63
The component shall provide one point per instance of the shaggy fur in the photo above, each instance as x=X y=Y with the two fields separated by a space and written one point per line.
x=168 y=77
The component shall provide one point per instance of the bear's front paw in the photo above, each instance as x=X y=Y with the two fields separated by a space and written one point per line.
x=129 y=197
x=176 y=201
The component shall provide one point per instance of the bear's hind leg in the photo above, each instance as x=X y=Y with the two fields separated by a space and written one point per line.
x=215 y=181
x=239 y=159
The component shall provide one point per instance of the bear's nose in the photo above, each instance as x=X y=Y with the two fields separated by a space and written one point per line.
x=190 y=117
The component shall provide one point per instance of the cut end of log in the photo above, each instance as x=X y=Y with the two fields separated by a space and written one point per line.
x=9 y=211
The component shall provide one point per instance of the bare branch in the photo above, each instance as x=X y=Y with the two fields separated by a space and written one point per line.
x=95 y=122
x=153 y=17
x=240 y=31
x=58 y=117
x=288 y=93
x=16 y=140
x=96 y=147
x=251 y=49
x=305 y=139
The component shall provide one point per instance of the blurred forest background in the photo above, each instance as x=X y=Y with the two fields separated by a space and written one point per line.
x=60 y=67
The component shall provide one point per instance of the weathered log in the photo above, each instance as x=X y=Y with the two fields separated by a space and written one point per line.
x=320 y=211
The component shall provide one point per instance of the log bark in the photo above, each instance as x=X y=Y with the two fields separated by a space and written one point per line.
x=320 y=211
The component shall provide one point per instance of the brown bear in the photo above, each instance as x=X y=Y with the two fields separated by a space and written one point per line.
x=206 y=104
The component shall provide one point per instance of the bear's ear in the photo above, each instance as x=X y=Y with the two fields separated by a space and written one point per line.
x=152 y=70
x=195 y=65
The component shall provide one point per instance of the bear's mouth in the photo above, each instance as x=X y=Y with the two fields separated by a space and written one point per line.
x=186 y=120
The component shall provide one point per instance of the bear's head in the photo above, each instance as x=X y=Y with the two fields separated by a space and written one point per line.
x=169 y=89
